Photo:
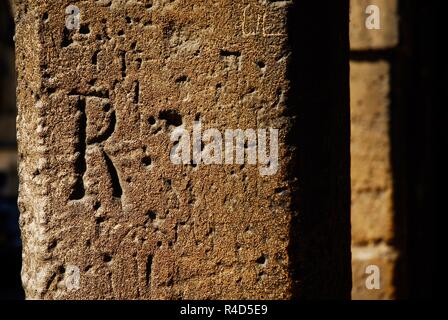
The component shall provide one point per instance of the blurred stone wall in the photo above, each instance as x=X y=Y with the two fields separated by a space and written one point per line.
x=373 y=215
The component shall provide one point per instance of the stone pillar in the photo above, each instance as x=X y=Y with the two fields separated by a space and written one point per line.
x=374 y=235
x=107 y=211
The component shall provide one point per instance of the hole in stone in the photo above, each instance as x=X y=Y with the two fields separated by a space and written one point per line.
x=182 y=79
x=97 y=205
x=120 y=33
x=51 y=90
x=95 y=57
x=45 y=17
x=147 y=161
x=52 y=244
x=84 y=29
x=171 y=117
x=261 y=64
x=138 y=63
x=151 y=215
x=261 y=260
x=107 y=107
x=107 y=258
x=78 y=190
x=226 y=53
x=151 y=120
x=159 y=244
x=99 y=220
x=167 y=183
x=128 y=20
x=134 y=45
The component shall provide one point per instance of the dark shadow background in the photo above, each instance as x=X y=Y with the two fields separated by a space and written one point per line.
x=417 y=119
x=10 y=250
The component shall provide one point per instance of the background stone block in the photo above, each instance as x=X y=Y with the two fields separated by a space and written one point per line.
x=372 y=206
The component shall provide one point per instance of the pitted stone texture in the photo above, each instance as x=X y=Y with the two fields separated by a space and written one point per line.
x=372 y=206
x=362 y=38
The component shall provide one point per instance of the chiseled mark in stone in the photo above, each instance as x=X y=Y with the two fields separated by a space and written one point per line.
x=259 y=21
x=123 y=63
x=86 y=107
x=108 y=130
x=148 y=270
x=136 y=99
x=78 y=191
x=117 y=191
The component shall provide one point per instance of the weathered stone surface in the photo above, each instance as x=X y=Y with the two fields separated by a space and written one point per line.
x=385 y=258
x=372 y=206
x=99 y=193
x=387 y=36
